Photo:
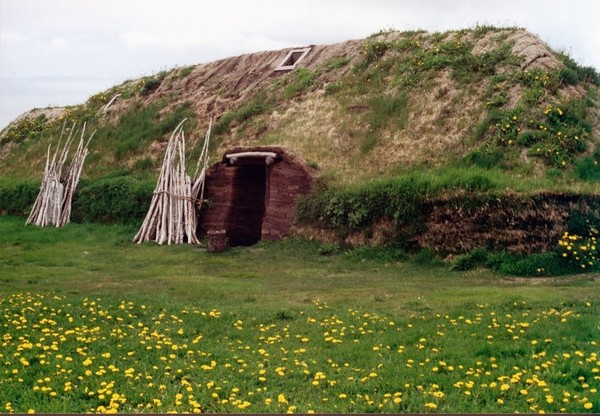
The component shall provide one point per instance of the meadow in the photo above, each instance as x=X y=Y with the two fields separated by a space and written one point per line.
x=92 y=323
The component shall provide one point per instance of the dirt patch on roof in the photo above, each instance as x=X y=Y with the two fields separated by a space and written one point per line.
x=535 y=53
x=219 y=86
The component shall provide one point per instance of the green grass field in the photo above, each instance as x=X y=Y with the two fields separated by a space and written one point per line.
x=92 y=323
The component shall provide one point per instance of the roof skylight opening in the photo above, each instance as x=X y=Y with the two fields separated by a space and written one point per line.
x=292 y=59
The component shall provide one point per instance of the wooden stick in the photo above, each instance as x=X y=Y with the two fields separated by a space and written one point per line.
x=53 y=203
x=110 y=103
x=171 y=218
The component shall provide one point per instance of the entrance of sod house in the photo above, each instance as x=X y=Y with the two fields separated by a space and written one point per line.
x=251 y=195
x=248 y=199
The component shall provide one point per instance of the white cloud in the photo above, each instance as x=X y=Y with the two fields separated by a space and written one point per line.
x=166 y=39
x=137 y=38
x=127 y=38
x=58 y=43
x=590 y=55
x=12 y=38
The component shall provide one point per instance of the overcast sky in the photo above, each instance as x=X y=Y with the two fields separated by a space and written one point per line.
x=57 y=52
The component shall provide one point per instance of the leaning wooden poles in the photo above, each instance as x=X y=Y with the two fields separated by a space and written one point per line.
x=53 y=203
x=171 y=218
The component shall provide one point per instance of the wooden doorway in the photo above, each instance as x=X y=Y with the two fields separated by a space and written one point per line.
x=249 y=189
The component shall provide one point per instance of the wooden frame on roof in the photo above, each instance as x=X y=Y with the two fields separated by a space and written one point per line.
x=292 y=59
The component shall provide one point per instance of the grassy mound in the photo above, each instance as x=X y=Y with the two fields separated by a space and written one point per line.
x=358 y=110
x=402 y=128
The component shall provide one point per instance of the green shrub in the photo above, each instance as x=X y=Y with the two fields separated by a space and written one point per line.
x=372 y=51
x=467 y=67
x=427 y=258
x=531 y=137
x=576 y=251
x=506 y=129
x=572 y=73
x=587 y=169
x=476 y=258
x=554 y=173
x=494 y=261
x=329 y=249
x=589 y=74
x=583 y=227
x=568 y=76
x=542 y=264
x=558 y=138
x=565 y=133
x=552 y=263
x=497 y=100
x=17 y=196
x=116 y=199
x=150 y=84
x=123 y=200
x=580 y=250
x=399 y=200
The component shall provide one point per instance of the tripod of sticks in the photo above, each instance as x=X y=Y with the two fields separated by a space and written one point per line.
x=53 y=203
x=172 y=218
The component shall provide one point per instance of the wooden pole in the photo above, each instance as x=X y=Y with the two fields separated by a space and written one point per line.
x=53 y=203
x=172 y=218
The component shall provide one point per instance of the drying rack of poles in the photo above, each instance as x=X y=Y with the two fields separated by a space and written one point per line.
x=172 y=216
x=52 y=207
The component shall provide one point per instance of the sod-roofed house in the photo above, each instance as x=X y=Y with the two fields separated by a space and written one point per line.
x=252 y=194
